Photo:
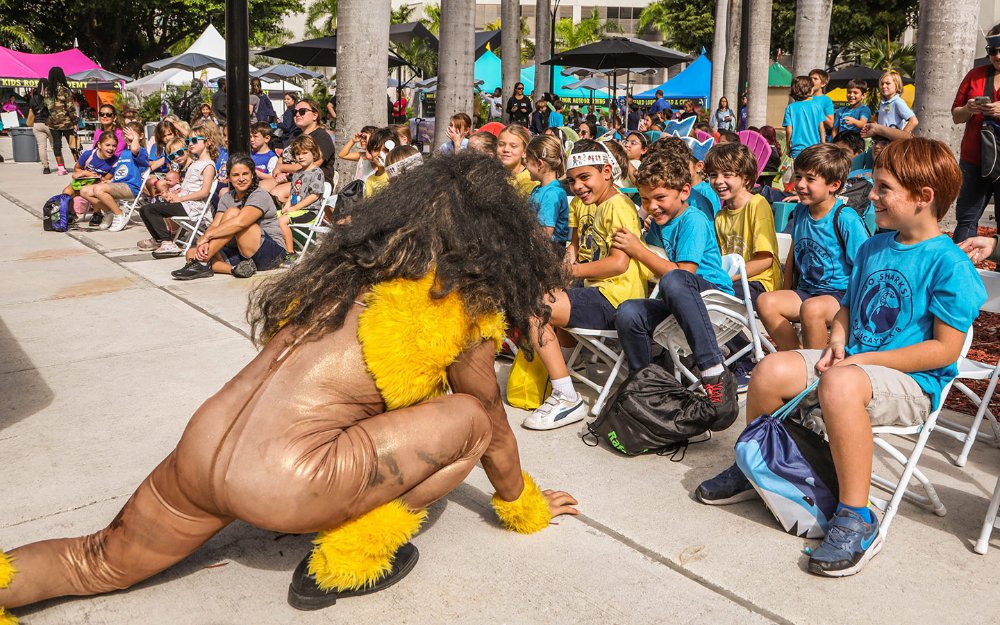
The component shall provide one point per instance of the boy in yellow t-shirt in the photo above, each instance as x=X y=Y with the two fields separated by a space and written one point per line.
x=610 y=276
x=380 y=143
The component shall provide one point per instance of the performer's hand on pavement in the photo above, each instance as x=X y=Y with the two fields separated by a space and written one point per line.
x=560 y=502
x=978 y=248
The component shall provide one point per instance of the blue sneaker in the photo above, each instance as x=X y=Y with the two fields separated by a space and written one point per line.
x=742 y=369
x=730 y=486
x=848 y=546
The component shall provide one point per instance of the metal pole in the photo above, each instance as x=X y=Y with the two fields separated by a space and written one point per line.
x=238 y=75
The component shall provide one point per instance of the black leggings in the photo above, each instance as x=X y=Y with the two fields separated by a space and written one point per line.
x=153 y=216
x=57 y=139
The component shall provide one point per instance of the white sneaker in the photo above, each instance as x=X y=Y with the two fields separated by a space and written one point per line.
x=167 y=249
x=118 y=223
x=106 y=221
x=556 y=412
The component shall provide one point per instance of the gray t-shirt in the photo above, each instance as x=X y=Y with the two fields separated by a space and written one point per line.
x=306 y=182
x=261 y=200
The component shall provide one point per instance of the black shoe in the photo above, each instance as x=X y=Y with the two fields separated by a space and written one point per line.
x=193 y=270
x=96 y=219
x=46 y=170
x=721 y=391
x=304 y=594
x=245 y=268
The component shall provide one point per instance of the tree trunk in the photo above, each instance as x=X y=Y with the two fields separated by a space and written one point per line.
x=510 y=46
x=947 y=36
x=731 y=74
x=812 y=35
x=543 y=43
x=362 y=66
x=719 y=49
x=457 y=55
x=759 y=45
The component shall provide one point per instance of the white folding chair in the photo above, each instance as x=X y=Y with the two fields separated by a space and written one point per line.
x=189 y=228
x=729 y=315
x=969 y=369
x=900 y=487
x=305 y=230
x=129 y=207
x=784 y=246
x=990 y=522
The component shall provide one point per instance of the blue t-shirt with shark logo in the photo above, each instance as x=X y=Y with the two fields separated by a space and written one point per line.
x=896 y=291
x=824 y=264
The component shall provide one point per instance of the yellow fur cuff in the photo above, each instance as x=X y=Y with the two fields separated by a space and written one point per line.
x=359 y=552
x=7 y=572
x=527 y=514
x=6 y=618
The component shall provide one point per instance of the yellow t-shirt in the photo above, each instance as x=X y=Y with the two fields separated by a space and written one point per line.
x=595 y=241
x=375 y=183
x=749 y=230
x=581 y=217
x=523 y=183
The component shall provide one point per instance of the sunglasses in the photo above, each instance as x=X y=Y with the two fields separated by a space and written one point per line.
x=174 y=155
x=990 y=51
x=194 y=139
x=304 y=111
x=102 y=114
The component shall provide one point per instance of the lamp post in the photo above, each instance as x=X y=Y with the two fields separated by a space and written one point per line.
x=238 y=75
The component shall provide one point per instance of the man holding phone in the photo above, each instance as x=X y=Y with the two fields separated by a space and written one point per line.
x=977 y=102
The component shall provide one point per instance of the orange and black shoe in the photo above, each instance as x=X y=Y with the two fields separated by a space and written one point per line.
x=721 y=391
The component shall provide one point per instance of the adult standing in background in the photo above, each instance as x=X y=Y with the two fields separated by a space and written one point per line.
x=40 y=113
x=661 y=106
x=219 y=102
x=265 y=110
x=519 y=106
x=62 y=114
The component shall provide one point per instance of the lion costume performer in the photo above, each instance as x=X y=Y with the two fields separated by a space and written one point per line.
x=341 y=425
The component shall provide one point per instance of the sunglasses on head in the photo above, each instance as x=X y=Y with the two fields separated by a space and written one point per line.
x=174 y=155
x=303 y=111
x=194 y=139
x=991 y=51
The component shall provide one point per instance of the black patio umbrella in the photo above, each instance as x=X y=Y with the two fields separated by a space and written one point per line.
x=319 y=52
x=190 y=61
x=486 y=39
x=840 y=78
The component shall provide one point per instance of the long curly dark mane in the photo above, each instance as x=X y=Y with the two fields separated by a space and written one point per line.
x=458 y=215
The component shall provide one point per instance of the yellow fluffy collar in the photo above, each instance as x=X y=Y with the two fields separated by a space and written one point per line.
x=409 y=339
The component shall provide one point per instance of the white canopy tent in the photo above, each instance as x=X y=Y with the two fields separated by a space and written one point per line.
x=213 y=44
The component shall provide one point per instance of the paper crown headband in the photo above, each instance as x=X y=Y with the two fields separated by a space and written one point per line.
x=699 y=148
x=597 y=159
x=682 y=128
x=410 y=162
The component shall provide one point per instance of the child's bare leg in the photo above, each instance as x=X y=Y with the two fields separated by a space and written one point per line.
x=844 y=393
x=817 y=314
x=544 y=340
x=286 y=232
x=776 y=379
x=777 y=310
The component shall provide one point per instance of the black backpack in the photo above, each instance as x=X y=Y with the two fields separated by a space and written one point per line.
x=352 y=194
x=853 y=195
x=653 y=413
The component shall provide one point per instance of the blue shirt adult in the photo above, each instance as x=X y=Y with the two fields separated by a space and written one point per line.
x=553 y=209
x=894 y=112
x=556 y=119
x=896 y=292
x=690 y=238
x=90 y=161
x=823 y=263
x=661 y=104
x=704 y=198
x=129 y=169
x=858 y=112
x=804 y=117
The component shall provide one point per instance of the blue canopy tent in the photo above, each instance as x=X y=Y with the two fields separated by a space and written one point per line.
x=487 y=69
x=695 y=82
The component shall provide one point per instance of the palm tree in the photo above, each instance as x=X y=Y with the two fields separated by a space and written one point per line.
x=432 y=18
x=455 y=76
x=946 y=40
x=18 y=38
x=719 y=48
x=588 y=30
x=419 y=54
x=510 y=45
x=543 y=44
x=880 y=52
x=759 y=48
x=401 y=15
x=812 y=35
x=731 y=87
x=321 y=18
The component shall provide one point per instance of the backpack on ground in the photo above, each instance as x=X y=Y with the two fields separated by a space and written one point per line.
x=653 y=413
x=350 y=196
x=58 y=213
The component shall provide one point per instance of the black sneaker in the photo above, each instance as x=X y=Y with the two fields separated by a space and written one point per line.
x=721 y=391
x=46 y=170
x=245 y=268
x=730 y=486
x=304 y=594
x=96 y=219
x=193 y=270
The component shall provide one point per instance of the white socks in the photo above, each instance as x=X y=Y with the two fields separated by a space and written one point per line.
x=564 y=386
x=711 y=372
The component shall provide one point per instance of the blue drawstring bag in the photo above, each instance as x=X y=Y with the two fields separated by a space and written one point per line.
x=791 y=467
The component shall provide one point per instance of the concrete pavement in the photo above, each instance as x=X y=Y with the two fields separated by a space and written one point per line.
x=104 y=358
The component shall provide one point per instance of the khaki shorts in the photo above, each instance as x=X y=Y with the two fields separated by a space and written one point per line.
x=896 y=397
x=120 y=191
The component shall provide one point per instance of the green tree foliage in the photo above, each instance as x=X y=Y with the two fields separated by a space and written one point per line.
x=879 y=52
x=401 y=15
x=687 y=25
x=321 y=18
x=432 y=18
x=122 y=36
x=589 y=30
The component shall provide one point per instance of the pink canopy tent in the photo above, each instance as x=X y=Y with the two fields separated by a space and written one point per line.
x=23 y=69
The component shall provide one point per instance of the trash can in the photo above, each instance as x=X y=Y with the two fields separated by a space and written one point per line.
x=25 y=146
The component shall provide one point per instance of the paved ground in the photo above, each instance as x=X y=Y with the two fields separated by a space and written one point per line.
x=103 y=358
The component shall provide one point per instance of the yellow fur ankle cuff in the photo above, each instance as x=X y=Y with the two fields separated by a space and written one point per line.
x=7 y=571
x=527 y=514
x=6 y=618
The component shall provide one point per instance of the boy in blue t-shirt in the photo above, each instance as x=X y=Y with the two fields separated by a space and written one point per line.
x=894 y=344
x=264 y=158
x=854 y=116
x=826 y=236
x=556 y=119
x=803 y=119
x=691 y=264
x=819 y=79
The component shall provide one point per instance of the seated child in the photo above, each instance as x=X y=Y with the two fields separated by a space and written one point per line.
x=484 y=142
x=170 y=183
x=854 y=116
x=348 y=153
x=512 y=146
x=636 y=145
x=263 y=156
x=610 y=278
x=93 y=166
x=307 y=190
x=125 y=184
x=378 y=146
x=911 y=300
x=692 y=265
x=459 y=129
x=702 y=197
x=402 y=159
x=826 y=236
x=545 y=163
x=851 y=143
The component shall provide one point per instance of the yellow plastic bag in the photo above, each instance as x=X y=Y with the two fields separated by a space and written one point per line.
x=528 y=384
